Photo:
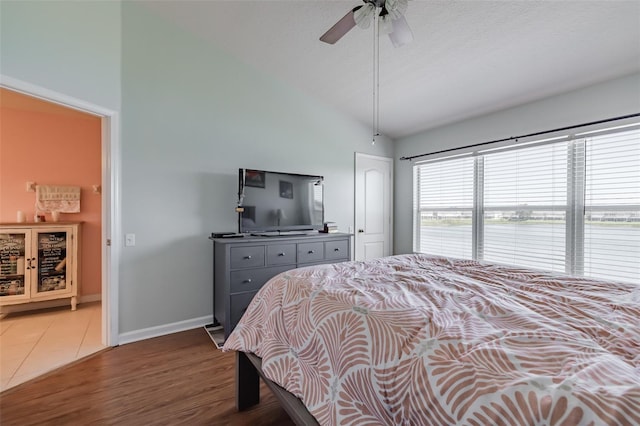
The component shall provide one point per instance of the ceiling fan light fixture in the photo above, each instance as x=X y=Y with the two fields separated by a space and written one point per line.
x=364 y=15
x=396 y=8
x=385 y=25
x=401 y=33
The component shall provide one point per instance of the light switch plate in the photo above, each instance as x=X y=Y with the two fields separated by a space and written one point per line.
x=129 y=240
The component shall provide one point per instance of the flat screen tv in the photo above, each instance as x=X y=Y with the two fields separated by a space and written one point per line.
x=277 y=202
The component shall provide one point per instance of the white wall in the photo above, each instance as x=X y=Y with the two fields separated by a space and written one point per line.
x=605 y=100
x=191 y=116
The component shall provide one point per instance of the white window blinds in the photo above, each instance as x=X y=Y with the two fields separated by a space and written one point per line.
x=443 y=205
x=612 y=206
x=525 y=202
x=570 y=206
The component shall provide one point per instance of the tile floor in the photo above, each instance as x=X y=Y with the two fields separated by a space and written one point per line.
x=35 y=342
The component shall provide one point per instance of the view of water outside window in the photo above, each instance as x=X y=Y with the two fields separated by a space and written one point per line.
x=612 y=206
x=525 y=203
x=446 y=233
x=525 y=207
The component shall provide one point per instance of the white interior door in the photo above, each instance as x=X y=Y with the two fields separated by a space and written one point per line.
x=374 y=200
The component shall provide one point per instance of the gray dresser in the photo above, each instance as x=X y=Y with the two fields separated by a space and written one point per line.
x=243 y=265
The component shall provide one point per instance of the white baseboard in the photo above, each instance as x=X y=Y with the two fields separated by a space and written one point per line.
x=48 y=304
x=162 y=330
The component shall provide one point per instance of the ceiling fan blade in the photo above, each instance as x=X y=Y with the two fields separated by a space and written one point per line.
x=401 y=33
x=340 y=28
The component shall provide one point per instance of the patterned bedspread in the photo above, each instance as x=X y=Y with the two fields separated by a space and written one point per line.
x=421 y=340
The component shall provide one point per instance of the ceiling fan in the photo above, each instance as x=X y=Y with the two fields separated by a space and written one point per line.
x=390 y=18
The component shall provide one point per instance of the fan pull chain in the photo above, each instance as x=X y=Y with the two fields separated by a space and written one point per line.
x=376 y=77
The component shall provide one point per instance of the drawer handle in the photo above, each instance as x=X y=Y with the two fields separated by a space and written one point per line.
x=247 y=281
x=311 y=252
x=248 y=257
x=336 y=249
x=281 y=254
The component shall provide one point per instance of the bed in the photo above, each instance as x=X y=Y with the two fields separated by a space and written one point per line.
x=420 y=340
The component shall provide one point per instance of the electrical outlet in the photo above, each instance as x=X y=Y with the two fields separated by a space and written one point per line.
x=350 y=229
x=129 y=240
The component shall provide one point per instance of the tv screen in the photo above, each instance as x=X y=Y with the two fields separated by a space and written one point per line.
x=277 y=201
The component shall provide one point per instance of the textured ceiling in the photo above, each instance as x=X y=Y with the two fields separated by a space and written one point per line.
x=468 y=58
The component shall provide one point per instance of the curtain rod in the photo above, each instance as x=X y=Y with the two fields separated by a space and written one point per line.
x=622 y=117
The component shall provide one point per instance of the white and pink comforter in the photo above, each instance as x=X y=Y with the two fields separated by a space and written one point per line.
x=420 y=340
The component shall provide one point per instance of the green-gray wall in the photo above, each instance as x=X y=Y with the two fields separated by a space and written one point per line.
x=609 y=99
x=69 y=47
x=191 y=115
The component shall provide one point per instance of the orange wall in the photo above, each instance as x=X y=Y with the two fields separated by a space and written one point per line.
x=52 y=145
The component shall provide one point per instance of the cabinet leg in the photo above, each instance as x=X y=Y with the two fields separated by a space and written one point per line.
x=74 y=302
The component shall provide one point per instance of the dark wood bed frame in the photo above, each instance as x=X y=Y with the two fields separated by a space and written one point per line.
x=248 y=374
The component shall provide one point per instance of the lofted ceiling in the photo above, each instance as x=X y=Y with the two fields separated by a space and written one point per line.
x=468 y=58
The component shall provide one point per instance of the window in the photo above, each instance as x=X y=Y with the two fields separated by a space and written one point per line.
x=444 y=200
x=525 y=203
x=571 y=206
x=612 y=206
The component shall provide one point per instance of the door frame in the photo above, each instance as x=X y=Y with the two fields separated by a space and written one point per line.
x=111 y=220
x=359 y=155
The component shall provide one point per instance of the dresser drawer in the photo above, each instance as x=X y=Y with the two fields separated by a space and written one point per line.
x=247 y=257
x=336 y=250
x=310 y=252
x=281 y=254
x=253 y=279
x=238 y=306
x=242 y=267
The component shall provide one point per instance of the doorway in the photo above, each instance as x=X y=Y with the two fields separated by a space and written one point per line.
x=59 y=145
x=109 y=188
x=374 y=206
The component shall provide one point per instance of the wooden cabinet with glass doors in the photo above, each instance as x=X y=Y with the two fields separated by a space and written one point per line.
x=39 y=262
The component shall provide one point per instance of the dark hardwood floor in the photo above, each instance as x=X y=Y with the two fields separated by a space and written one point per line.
x=171 y=380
